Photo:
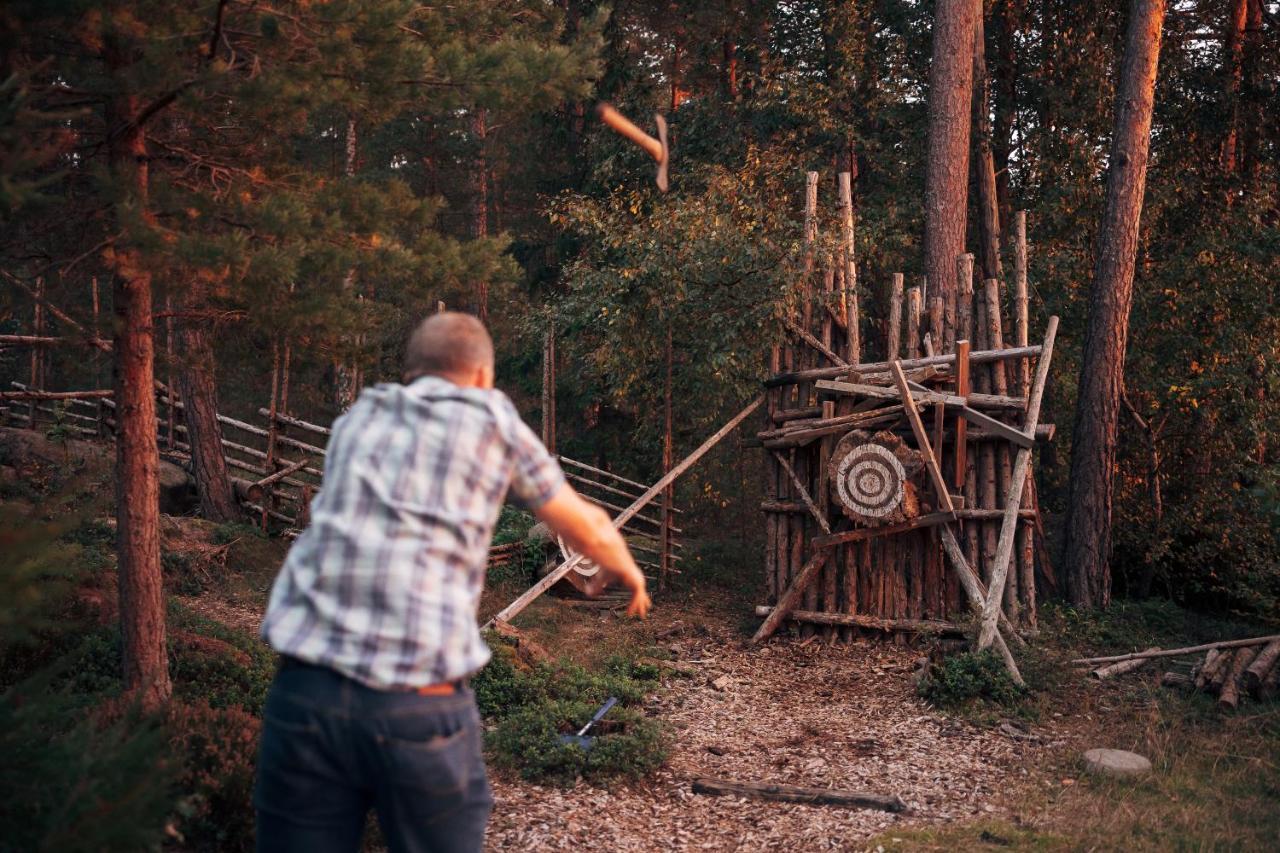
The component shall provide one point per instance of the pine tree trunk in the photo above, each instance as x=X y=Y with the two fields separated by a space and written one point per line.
x=142 y=611
x=480 y=211
x=1088 y=544
x=1004 y=98
x=1233 y=65
x=199 y=390
x=984 y=169
x=345 y=382
x=947 y=170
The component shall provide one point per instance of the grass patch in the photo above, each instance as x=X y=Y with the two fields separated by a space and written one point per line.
x=530 y=707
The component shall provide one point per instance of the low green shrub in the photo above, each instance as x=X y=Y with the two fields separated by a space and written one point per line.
x=531 y=707
x=527 y=741
x=218 y=751
x=969 y=676
x=233 y=531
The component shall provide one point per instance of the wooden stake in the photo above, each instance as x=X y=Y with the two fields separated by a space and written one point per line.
x=962 y=426
x=850 y=292
x=893 y=324
x=915 y=305
x=1018 y=478
x=789 y=599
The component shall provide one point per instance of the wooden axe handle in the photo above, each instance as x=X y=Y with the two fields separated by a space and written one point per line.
x=623 y=125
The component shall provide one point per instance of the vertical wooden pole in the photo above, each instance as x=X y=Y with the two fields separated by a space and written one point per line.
x=38 y=329
x=810 y=237
x=964 y=297
x=850 y=293
x=771 y=564
x=914 y=308
x=1026 y=550
x=937 y=307
x=893 y=323
x=986 y=470
x=97 y=357
x=668 y=494
x=829 y=277
x=822 y=496
x=1000 y=385
x=270 y=466
x=962 y=426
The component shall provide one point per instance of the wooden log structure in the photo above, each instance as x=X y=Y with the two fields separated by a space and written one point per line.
x=961 y=401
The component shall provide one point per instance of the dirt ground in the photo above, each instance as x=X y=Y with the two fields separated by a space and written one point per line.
x=791 y=712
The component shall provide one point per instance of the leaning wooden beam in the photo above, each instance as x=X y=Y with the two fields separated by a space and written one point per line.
x=289 y=420
x=92 y=340
x=875 y=367
x=922 y=440
x=792 y=794
x=1000 y=428
x=513 y=609
x=815 y=343
x=1013 y=497
x=789 y=599
x=859 y=620
x=1186 y=650
x=54 y=395
x=972 y=586
x=803 y=492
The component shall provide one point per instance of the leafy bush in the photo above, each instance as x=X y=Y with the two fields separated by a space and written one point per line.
x=218 y=749
x=528 y=741
x=211 y=662
x=963 y=678
x=533 y=706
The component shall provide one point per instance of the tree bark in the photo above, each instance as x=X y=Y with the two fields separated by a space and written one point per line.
x=1233 y=65
x=947 y=170
x=984 y=169
x=1004 y=99
x=199 y=390
x=142 y=612
x=345 y=380
x=480 y=204
x=1088 y=542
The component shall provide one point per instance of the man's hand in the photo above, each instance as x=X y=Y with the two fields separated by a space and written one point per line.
x=588 y=529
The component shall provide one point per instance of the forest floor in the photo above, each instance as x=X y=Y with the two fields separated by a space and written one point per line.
x=847 y=715
x=809 y=712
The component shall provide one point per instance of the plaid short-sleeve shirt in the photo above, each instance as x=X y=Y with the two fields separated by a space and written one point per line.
x=384 y=584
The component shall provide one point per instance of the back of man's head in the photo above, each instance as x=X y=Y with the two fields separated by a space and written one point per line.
x=449 y=344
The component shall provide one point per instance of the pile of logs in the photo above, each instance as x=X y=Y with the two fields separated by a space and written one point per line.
x=1230 y=670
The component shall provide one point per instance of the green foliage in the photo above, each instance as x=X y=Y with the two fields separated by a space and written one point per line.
x=218 y=748
x=960 y=679
x=532 y=707
x=528 y=741
x=234 y=531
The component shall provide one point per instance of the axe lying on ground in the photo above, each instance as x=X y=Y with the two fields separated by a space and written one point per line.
x=656 y=148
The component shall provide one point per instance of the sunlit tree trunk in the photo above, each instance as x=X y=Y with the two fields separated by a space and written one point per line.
x=480 y=208
x=142 y=612
x=947 y=170
x=984 y=170
x=1088 y=544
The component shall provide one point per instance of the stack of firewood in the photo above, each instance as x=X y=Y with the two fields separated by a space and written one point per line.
x=1230 y=669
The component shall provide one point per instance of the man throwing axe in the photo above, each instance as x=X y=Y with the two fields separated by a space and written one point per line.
x=374 y=611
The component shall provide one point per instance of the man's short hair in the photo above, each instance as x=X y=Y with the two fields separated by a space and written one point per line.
x=447 y=343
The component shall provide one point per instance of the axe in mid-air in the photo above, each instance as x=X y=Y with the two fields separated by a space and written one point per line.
x=656 y=148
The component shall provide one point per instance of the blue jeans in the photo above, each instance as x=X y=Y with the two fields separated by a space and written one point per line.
x=332 y=749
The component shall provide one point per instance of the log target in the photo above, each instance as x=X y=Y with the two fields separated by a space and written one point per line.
x=870 y=481
x=871 y=478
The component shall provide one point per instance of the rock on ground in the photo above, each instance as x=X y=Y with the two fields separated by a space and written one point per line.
x=1116 y=763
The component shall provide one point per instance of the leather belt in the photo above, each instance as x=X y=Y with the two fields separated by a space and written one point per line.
x=444 y=688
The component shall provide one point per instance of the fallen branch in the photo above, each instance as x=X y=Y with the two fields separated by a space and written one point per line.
x=793 y=794
x=1102 y=673
x=1188 y=650
x=859 y=620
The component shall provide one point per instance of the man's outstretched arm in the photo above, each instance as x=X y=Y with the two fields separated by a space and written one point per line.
x=588 y=529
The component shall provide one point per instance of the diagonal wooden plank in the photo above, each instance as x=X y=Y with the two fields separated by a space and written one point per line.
x=973 y=588
x=1013 y=497
x=846 y=536
x=816 y=344
x=922 y=438
x=804 y=493
x=1000 y=428
x=789 y=599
